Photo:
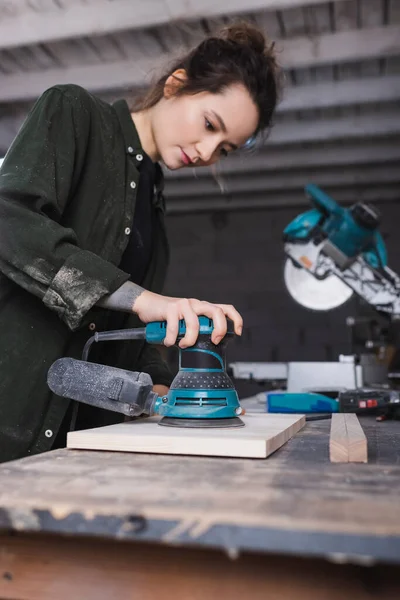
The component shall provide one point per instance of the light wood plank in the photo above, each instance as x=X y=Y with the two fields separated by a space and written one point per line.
x=358 y=451
x=347 y=441
x=338 y=442
x=261 y=436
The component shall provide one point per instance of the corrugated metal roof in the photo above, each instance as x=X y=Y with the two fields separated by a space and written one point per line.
x=343 y=83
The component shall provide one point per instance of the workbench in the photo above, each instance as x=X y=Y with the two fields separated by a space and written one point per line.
x=83 y=525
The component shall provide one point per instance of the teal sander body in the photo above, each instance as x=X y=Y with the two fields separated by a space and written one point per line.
x=201 y=394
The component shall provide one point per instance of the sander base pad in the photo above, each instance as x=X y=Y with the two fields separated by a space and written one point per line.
x=201 y=423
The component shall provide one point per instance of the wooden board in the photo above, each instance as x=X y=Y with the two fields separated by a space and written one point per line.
x=347 y=441
x=262 y=435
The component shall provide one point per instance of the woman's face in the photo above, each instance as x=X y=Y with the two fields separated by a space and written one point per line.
x=197 y=130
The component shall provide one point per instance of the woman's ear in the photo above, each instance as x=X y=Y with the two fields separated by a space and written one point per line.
x=175 y=82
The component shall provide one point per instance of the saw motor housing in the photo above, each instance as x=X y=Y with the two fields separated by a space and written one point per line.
x=334 y=252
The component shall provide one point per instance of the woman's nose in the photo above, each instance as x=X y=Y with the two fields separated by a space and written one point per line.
x=206 y=150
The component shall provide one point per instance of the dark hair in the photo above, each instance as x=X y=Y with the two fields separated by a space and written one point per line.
x=238 y=53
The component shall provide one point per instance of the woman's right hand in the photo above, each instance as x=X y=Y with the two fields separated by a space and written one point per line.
x=155 y=307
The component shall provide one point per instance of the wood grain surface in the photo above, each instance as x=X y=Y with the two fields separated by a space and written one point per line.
x=261 y=436
x=347 y=442
x=295 y=502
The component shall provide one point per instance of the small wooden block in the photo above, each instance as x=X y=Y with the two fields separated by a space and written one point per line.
x=262 y=435
x=338 y=441
x=347 y=441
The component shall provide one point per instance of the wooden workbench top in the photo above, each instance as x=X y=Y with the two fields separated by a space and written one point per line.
x=294 y=502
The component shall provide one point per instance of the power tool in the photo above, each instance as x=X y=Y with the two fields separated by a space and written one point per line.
x=201 y=395
x=361 y=401
x=334 y=252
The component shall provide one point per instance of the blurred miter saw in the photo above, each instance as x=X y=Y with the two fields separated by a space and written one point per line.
x=334 y=252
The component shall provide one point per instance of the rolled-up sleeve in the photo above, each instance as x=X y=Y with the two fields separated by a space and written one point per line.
x=36 y=180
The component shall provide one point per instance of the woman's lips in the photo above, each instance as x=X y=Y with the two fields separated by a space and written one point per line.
x=185 y=159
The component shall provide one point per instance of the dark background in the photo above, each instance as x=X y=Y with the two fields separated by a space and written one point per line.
x=237 y=258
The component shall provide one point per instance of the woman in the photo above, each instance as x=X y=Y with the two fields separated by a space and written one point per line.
x=82 y=240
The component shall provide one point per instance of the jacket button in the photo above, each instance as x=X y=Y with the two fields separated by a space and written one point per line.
x=48 y=433
x=139 y=157
x=130 y=149
x=92 y=326
x=133 y=184
x=127 y=230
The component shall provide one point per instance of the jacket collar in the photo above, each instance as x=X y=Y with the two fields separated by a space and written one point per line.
x=133 y=147
x=131 y=137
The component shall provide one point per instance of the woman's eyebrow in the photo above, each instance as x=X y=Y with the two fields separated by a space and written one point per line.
x=223 y=127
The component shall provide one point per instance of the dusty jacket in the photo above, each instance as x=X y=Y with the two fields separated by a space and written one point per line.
x=68 y=187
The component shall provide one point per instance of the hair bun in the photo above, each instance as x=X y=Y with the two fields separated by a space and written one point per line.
x=245 y=34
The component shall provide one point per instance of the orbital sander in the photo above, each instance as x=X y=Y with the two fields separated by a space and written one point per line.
x=201 y=395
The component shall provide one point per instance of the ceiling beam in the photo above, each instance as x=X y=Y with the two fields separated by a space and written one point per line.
x=267 y=159
x=341 y=128
x=285 y=199
x=342 y=93
x=334 y=94
x=25 y=27
x=119 y=75
x=342 y=46
x=327 y=48
x=268 y=182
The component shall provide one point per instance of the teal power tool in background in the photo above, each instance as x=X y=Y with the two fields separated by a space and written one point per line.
x=301 y=402
x=358 y=400
x=351 y=231
x=334 y=251
x=383 y=402
x=201 y=395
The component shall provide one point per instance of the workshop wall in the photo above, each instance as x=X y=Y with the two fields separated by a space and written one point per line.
x=238 y=258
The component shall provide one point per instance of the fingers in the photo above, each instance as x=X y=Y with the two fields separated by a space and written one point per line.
x=172 y=319
x=231 y=312
x=181 y=309
x=189 y=311
x=192 y=325
x=214 y=312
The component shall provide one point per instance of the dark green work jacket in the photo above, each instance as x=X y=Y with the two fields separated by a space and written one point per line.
x=68 y=188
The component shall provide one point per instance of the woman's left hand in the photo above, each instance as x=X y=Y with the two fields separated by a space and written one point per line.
x=161 y=390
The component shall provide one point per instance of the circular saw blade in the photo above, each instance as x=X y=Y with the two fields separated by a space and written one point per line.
x=316 y=294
